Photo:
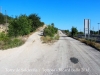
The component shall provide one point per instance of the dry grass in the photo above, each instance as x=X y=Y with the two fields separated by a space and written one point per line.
x=49 y=39
x=46 y=39
x=11 y=43
x=90 y=43
x=56 y=37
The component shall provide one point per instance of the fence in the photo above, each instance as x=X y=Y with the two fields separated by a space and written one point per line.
x=92 y=37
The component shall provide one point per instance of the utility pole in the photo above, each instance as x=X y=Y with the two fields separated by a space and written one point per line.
x=93 y=30
x=98 y=28
x=0 y=9
x=6 y=16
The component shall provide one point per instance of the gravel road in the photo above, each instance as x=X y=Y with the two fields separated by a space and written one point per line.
x=64 y=57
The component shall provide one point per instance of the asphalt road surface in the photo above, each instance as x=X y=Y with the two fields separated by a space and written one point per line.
x=66 y=56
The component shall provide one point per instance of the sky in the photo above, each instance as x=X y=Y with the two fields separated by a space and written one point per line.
x=63 y=13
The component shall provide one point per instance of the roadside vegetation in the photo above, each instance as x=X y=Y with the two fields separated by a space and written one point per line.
x=89 y=42
x=74 y=31
x=24 y=25
x=50 y=34
x=8 y=42
x=74 y=34
x=20 y=26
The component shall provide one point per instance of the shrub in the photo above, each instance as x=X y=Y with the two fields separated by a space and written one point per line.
x=20 y=26
x=74 y=31
x=15 y=43
x=90 y=43
x=11 y=43
x=8 y=42
x=50 y=31
x=4 y=37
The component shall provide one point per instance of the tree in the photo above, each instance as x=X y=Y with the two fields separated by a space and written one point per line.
x=52 y=24
x=35 y=21
x=20 y=26
x=74 y=31
x=94 y=32
x=2 y=21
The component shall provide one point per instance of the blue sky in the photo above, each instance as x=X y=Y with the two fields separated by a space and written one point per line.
x=63 y=13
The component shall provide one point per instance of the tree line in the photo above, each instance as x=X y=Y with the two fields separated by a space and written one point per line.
x=21 y=25
x=74 y=32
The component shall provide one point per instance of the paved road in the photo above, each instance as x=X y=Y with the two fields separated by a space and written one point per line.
x=65 y=57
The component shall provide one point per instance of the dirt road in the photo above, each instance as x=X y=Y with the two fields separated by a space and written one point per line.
x=65 y=57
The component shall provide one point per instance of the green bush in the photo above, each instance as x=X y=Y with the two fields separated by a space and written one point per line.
x=74 y=31
x=4 y=37
x=50 y=34
x=23 y=25
x=20 y=26
x=35 y=22
x=50 y=31
x=8 y=42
